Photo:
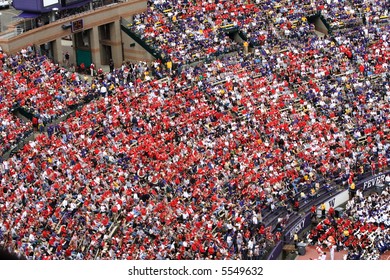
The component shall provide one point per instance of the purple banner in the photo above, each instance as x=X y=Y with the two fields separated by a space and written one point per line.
x=297 y=228
x=373 y=181
x=289 y=236
x=29 y=6
x=276 y=251
x=38 y=6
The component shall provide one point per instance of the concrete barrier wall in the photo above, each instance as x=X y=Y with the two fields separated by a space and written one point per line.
x=132 y=51
x=320 y=26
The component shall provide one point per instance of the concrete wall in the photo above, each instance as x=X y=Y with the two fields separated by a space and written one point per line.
x=320 y=26
x=136 y=52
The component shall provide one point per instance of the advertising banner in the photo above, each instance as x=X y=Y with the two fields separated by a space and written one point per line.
x=373 y=181
x=297 y=228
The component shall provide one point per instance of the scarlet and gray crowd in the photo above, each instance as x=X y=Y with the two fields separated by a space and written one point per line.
x=363 y=230
x=11 y=128
x=183 y=167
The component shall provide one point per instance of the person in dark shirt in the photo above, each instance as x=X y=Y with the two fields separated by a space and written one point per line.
x=111 y=65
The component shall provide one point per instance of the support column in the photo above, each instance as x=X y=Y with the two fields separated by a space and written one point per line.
x=95 y=46
x=57 y=50
x=73 y=53
x=116 y=43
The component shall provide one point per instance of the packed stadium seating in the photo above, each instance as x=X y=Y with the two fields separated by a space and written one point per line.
x=212 y=160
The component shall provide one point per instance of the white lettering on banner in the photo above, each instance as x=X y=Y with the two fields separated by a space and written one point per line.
x=337 y=200
x=297 y=228
x=374 y=182
x=332 y=202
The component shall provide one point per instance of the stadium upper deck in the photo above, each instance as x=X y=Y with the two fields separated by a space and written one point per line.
x=186 y=167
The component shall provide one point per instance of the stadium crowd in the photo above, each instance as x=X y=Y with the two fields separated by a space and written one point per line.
x=12 y=129
x=363 y=230
x=184 y=167
x=189 y=32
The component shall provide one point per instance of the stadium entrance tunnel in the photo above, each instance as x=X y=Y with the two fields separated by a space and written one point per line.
x=320 y=23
